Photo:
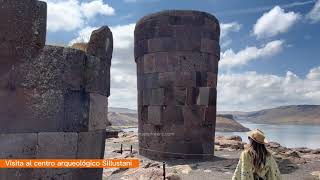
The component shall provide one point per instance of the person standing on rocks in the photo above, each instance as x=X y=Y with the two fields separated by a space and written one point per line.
x=256 y=162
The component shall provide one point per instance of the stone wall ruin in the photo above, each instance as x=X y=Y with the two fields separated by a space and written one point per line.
x=177 y=54
x=53 y=100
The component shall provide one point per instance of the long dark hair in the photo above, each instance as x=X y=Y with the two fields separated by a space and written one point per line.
x=258 y=153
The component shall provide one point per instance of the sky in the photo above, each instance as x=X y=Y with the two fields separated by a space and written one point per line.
x=269 y=49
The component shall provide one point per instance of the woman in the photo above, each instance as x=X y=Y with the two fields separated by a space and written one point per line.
x=256 y=162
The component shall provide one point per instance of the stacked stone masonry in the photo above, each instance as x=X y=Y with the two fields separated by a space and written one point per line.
x=53 y=100
x=177 y=54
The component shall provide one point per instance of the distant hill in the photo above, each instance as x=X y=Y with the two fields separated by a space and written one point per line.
x=295 y=114
x=125 y=117
x=122 y=110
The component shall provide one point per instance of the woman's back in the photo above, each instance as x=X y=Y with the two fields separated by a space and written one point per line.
x=256 y=162
x=245 y=169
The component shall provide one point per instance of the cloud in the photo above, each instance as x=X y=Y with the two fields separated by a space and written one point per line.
x=231 y=59
x=226 y=29
x=275 y=22
x=314 y=74
x=251 y=91
x=314 y=14
x=69 y=15
x=93 y=8
x=83 y=35
x=264 y=8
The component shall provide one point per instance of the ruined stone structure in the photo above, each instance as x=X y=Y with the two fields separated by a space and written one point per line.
x=53 y=100
x=177 y=54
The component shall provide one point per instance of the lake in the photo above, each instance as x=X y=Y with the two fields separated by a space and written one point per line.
x=287 y=135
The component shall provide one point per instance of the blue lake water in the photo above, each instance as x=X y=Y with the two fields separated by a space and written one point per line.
x=287 y=135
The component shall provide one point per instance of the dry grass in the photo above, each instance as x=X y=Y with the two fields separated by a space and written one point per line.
x=80 y=46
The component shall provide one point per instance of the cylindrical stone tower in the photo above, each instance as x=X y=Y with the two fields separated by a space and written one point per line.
x=177 y=54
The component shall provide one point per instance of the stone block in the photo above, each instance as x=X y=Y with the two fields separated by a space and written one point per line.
x=97 y=76
x=175 y=150
x=172 y=115
x=55 y=145
x=18 y=146
x=193 y=116
x=155 y=115
x=210 y=46
x=146 y=97
x=192 y=94
x=161 y=62
x=98 y=113
x=149 y=63
x=73 y=72
x=210 y=115
x=161 y=44
x=186 y=79
x=24 y=31
x=76 y=109
x=29 y=111
x=212 y=79
x=140 y=48
x=91 y=144
x=16 y=174
x=101 y=44
x=151 y=81
x=157 y=96
x=194 y=150
x=173 y=62
x=175 y=96
x=213 y=64
x=140 y=65
x=208 y=149
x=49 y=174
x=86 y=174
x=207 y=96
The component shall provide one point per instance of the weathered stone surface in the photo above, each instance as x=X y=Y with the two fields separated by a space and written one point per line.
x=49 y=94
x=155 y=115
x=16 y=174
x=177 y=83
x=101 y=44
x=76 y=109
x=55 y=145
x=91 y=144
x=97 y=76
x=18 y=146
x=207 y=96
x=23 y=30
x=98 y=113
x=157 y=96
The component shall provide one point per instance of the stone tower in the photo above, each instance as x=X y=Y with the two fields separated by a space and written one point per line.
x=177 y=54
x=53 y=100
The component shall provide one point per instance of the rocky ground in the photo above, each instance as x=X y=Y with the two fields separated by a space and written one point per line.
x=294 y=163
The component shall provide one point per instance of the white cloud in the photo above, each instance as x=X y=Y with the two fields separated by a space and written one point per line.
x=314 y=74
x=226 y=29
x=231 y=59
x=68 y=15
x=274 y=22
x=314 y=14
x=123 y=35
x=64 y=15
x=252 y=91
x=91 y=9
